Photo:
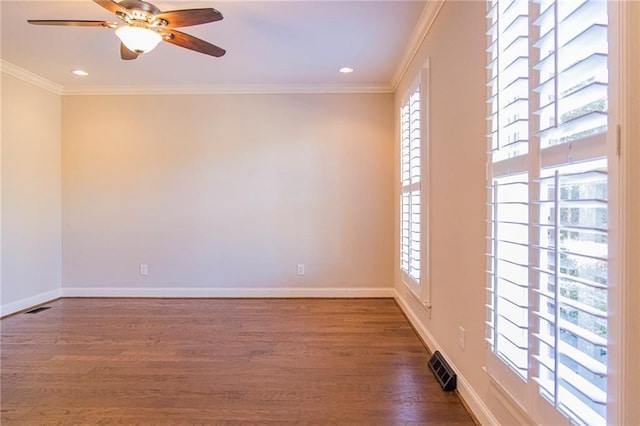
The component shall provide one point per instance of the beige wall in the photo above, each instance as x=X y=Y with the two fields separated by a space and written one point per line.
x=630 y=164
x=217 y=191
x=456 y=179
x=31 y=206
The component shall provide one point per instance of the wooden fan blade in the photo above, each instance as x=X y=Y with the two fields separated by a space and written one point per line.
x=112 y=6
x=127 y=54
x=67 y=23
x=188 y=17
x=190 y=42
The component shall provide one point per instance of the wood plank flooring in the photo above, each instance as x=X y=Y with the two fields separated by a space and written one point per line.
x=219 y=361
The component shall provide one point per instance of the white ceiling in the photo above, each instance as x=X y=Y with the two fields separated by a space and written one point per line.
x=294 y=44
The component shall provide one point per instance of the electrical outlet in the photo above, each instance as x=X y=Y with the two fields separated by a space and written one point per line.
x=144 y=269
x=461 y=338
x=300 y=268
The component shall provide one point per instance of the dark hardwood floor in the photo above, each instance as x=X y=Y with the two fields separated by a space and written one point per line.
x=219 y=361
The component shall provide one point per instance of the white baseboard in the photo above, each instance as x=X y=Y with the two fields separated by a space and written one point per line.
x=466 y=391
x=27 y=302
x=188 y=292
x=192 y=292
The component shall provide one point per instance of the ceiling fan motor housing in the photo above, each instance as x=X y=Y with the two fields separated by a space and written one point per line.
x=140 y=9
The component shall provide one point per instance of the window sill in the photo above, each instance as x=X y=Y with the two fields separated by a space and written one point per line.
x=425 y=305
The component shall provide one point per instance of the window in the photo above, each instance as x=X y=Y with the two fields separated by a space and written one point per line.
x=548 y=272
x=410 y=202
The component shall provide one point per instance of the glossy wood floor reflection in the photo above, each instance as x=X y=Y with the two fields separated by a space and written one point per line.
x=219 y=361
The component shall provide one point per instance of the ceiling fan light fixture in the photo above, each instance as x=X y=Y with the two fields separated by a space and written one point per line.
x=138 y=39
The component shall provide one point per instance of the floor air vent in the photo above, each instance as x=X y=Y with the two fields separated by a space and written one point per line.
x=37 y=310
x=443 y=372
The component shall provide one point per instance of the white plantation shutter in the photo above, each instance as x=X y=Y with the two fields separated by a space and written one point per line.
x=573 y=73
x=508 y=215
x=410 y=180
x=508 y=78
x=572 y=255
x=509 y=271
x=548 y=273
x=572 y=290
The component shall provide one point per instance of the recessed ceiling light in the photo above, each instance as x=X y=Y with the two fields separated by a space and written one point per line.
x=346 y=70
x=80 y=72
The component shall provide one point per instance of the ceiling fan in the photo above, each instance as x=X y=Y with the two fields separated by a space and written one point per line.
x=142 y=26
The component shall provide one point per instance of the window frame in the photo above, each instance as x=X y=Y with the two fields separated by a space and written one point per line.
x=421 y=290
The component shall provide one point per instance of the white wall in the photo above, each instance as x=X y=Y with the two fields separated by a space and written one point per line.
x=226 y=194
x=31 y=200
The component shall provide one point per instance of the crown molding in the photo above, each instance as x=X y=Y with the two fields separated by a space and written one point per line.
x=420 y=32
x=240 y=89
x=225 y=89
x=29 y=77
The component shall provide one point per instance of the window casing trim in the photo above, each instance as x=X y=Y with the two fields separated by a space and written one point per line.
x=421 y=291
